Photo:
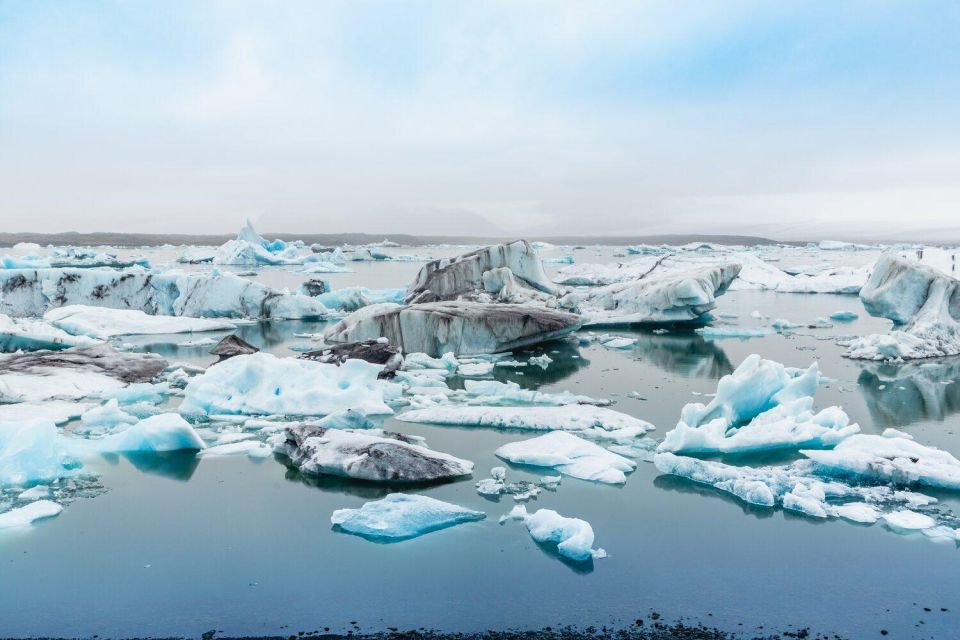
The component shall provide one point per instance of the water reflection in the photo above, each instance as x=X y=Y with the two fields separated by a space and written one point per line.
x=682 y=352
x=683 y=485
x=176 y=465
x=898 y=395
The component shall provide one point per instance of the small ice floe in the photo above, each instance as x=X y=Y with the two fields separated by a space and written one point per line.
x=906 y=521
x=494 y=392
x=372 y=455
x=401 y=516
x=542 y=361
x=573 y=537
x=521 y=491
x=30 y=513
x=103 y=323
x=263 y=384
x=717 y=333
x=575 y=417
x=475 y=369
x=249 y=448
x=104 y=418
x=570 y=455
x=762 y=405
x=618 y=342
x=844 y=316
x=56 y=411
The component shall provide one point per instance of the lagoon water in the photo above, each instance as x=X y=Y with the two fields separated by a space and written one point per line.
x=179 y=546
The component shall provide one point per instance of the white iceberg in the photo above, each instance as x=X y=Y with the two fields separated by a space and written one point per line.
x=24 y=334
x=103 y=323
x=762 y=405
x=574 y=417
x=573 y=537
x=263 y=384
x=569 y=455
x=30 y=513
x=250 y=249
x=400 y=516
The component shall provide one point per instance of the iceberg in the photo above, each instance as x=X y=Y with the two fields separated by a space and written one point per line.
x=378 y=352
x=681 y=296
x=56 y=411
x=156 y=434
x=760 y=406
x=400 y=516
x=106 y=416
x=352 y=298
x=30 y=513
x=371 y=455
x=574 y=417
x=573 y=537
x=263 y=384
x=33 y=452
x=250 y=249
x=922 y=302
x=569 y=455
x=103 y=323
x=891 y=459
x=462 y=328
x=230 y=346
x=22 y=334
x=32 y=292
x=463 y=277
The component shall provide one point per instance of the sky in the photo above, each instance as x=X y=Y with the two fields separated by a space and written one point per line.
x=794 y=120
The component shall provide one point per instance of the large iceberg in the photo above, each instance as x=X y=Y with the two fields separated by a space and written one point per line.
x=670 y=297
x=762 y=405
x=250 y=249
x=923 y=303
x=263 y=384
x=32 y=292
x=573 y=537
x=103 y=323
x=574 y=417
x=24 y=334
x=463 y=328
x=373 y=455
x=73 y=373
x=569 y=455
x=400 y=516
x=465 y=276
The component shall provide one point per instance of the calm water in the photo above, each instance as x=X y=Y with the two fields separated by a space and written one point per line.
x=179 y=546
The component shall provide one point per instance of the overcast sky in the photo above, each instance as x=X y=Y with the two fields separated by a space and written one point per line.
x=806 y=119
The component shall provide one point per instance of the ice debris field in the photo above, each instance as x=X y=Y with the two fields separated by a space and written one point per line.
x=456 y=394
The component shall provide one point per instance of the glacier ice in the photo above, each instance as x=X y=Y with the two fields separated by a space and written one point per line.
x=569 y=455
x=156 y=434
x=56 y=411
x=378 y=352
x=924 y=305
x=464 y=275
x=352 y=298
x=32 y=292
x=574 y=417
x=250 y=249
x=573 y=537
x=372 y=455
x=462 y=328
x=103 y=323
x=263 y=384
x=401 y=516
x=761 y=405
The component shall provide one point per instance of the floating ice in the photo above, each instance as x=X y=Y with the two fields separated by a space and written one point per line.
x=575 y=417
x=353 y=298
x=103 y=323
x=56 y=411
x=250 y=448
x=463 y=328
x=475 y=369
x=250 y=249
x=159 y=433
x=714 y=333
x=844 y=316
x=924 y=305
x=569 y=455
x=263 y=384
x=106 y=417
x=400 y=516
x=761 y=405
x=23 y=334
x=573 y=537
x=34 y=452
x=906 y=521
x=30 y=513
x=373 y=455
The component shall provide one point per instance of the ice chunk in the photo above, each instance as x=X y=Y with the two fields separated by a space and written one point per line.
x=106 y=416
x=893 y=460
x=30 y=335
x=374 y=351
x=451 y=278
x=250 y=448
x=569 y=455
x=33 y=452
x=263 y=384
x=103 y=323
x=670 y=297
x=619 y=342
x=28 y=514
x=463 y=328
x=159 y=433
x=715 y=333
x=251 y=249
x=573 y=537
x=924 y=305
x=232 y=345
x=906 y=521
x=32 y=292
x=575 y=417
x=475 y=369
x=400 y=516
x=353 y=298
x=56 y=411
x=857 y=512
x=844 y=316
x=372 y=455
